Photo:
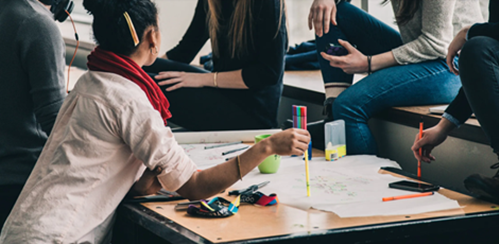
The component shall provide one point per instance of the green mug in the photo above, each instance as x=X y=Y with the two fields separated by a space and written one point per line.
x=270 y=165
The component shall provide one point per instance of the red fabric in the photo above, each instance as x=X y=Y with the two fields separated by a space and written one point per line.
x=102 y=60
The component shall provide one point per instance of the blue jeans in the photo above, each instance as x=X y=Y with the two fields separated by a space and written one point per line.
x=429 y=82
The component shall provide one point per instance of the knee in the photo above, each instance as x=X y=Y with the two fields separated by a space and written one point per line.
x=344 y=107
x=478 y=53
x=478 y=50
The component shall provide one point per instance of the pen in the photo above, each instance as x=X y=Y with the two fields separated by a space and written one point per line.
x=303 y=122
x=223 y=145
x=233 y=151
x=420 y=149
x=424 y=194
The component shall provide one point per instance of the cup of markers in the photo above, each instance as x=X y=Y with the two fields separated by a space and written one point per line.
x=300 y=121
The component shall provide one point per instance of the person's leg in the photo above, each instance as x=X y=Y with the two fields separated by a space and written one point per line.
x=202 y=108
x=208 y=109
x=169 y=65
x=416 y=84
x=370 y=35
x=479 y=71
x=10 y=193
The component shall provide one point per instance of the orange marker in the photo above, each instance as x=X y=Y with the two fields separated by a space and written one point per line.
x=420 y=149
x=424 y=194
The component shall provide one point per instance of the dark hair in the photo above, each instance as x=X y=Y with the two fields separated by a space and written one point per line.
x=406 y=11
x=110 y=27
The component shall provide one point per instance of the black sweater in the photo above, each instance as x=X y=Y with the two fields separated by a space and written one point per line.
x=262 y=68
x=460 y=108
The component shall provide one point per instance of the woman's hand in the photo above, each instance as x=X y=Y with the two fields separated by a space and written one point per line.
x=455 y=47
x=354 y=62
x=184 y=79
x=322 y=13
x=147 y=184
x=431 y=138
x=289 y=142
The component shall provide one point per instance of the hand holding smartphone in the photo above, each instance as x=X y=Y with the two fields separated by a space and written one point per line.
x=413 y=186
x=335 y=50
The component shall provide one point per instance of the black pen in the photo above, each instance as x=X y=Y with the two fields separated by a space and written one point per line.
x=223 y=145
x=235 y=150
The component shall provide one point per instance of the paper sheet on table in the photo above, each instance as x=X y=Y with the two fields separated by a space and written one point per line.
x=206 y=158
x=350 y=181
x=221 y=136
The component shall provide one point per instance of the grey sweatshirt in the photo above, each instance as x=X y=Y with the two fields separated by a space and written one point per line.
x=32 y=85
x=428 y=35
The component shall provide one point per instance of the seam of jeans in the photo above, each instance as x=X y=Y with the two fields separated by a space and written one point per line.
x=400 y=84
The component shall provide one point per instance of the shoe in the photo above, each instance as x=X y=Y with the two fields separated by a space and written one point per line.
x=328 y=109
x=484 y=187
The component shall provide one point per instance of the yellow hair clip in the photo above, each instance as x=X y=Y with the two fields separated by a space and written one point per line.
x=135 y=37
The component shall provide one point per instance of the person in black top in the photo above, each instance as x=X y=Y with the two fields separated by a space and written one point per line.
x=249 y=41
x=478 y=66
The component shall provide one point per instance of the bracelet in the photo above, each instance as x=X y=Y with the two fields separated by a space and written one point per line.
x=239 y=167
x=369 y=71
x=215 y=75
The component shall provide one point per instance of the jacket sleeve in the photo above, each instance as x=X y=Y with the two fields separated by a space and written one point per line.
x=44 y=62
x=270 y=42
x=436 y=34
x=194 y=38
x=459 y=109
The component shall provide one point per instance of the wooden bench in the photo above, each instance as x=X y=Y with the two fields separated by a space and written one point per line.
x=308 y=86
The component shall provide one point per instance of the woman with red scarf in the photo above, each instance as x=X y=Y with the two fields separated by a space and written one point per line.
x=110 y=139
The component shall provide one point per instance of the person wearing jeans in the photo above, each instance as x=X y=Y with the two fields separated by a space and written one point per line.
x=405 y=69
x=478 y=69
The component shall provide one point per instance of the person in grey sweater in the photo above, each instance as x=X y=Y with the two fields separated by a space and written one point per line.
x=405 y=68
x=32 y=79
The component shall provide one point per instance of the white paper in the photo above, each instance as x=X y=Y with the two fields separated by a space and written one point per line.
x=351 y=183
x=221 y=136
x=206 y=158
x=436 y=202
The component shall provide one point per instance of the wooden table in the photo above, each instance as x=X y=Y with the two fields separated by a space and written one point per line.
x=476 y=222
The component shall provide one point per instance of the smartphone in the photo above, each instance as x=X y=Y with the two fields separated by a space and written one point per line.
x=335 y=50
x=413 y=186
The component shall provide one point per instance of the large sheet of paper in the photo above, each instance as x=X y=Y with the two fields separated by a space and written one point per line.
x=206 y=158
x=220 y=136
x=349 y=187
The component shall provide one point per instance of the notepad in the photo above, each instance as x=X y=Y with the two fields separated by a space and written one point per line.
x=441 y=110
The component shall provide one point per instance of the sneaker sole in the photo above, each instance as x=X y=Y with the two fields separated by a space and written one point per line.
x=478 y=188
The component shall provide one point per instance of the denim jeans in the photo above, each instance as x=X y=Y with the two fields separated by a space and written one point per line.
x=479 y=71
x=423 y=83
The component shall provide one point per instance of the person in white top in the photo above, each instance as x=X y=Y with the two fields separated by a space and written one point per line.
x=110 y=138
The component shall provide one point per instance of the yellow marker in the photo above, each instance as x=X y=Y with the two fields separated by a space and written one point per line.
x=207 y=206
x=307 y=175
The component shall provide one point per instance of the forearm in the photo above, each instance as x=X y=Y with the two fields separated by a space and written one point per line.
x=213 y=180
x=445 y=126
x=228 y=80
x=382 y=61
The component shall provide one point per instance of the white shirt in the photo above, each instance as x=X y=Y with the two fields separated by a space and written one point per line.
x=105 y=132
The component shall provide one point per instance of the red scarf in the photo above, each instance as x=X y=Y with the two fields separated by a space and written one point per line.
x=102 y=60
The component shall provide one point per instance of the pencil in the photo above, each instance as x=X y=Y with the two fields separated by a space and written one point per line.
x=233 y=151
x=303 y=123
x=307 y=175
x=223 y=145
x=424 y=194
x=420 y=149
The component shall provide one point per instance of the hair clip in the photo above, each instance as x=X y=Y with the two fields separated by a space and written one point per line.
x=135 y=37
